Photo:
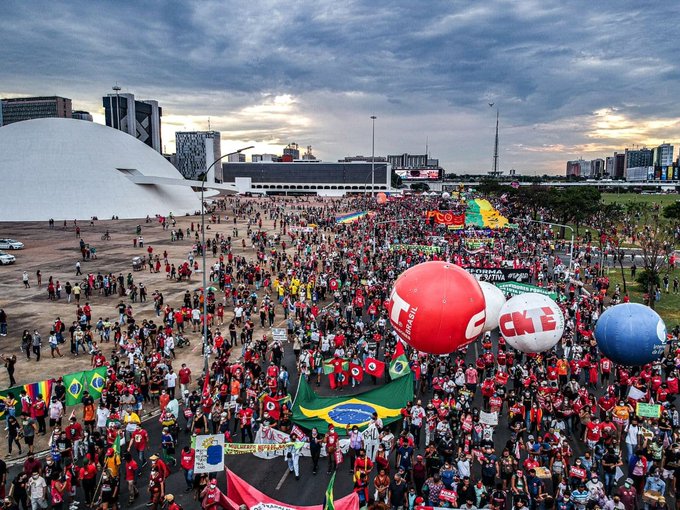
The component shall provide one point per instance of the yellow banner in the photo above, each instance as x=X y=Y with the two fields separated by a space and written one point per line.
x=239 y=448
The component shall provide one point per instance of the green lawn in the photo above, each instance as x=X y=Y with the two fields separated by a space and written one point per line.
x=669 y=306
x=627 y=198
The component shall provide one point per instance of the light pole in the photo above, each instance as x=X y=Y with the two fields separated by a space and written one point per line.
x=373 y=117
x=206 y=350
x=571 y=248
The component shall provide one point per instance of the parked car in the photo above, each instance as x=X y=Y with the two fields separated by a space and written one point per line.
x=6 y=258
x=10 y=244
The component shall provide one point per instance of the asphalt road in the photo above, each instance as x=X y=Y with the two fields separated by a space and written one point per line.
x=271 y=476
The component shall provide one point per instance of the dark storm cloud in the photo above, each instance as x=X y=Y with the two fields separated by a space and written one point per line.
x=544 y=63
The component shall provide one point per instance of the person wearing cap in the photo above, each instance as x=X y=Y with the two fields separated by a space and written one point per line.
x=171 y=503
x=628 y=494
x=211 y=496
x=614 y=503
x=654 y=483
x=112 y=462
x=156 y=488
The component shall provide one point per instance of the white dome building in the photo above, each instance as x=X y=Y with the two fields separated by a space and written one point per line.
x=71 y=169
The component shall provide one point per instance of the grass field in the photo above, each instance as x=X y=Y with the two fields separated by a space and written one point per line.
x=669 y=305
x=627 y=198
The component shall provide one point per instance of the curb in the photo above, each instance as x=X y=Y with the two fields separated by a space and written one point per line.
x=43 y=453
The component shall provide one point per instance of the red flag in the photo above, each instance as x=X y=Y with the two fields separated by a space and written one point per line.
x=343 y=376
x=272 y=406
x=374 y=367
x=206 y=384
x=398 y=350
x=356 y=371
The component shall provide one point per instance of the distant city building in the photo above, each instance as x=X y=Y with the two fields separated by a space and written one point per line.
x=639 y=157
x=292 y=151
x=260 y=158
x=81 y=115
x=171 y=158
x=27 y=108
x=663 y=155
x=597 y=168
x=609 y=166
x=307 y=177
x=353 y=159
x=619 y=165
x=308 y=155
x=196 y=151
x=141 y=119
x=236 y=158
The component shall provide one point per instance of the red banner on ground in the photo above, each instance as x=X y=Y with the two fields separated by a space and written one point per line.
x=240 y=492
x=448 y=218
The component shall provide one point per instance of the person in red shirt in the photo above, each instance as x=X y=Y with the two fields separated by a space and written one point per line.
x=74 y=432
x=593 y=433
x=88 y=478
x=39 y=409
x=187 y=458
x=245 y=416
x=131 y=468
x=211 y=496
x=139 y=440
x=184 y=375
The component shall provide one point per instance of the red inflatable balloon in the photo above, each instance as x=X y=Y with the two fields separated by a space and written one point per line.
x=437 y=307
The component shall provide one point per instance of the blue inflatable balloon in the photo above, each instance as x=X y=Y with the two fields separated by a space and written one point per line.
x=631 y=334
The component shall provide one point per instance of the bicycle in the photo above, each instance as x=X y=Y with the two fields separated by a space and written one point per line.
x=106 y=237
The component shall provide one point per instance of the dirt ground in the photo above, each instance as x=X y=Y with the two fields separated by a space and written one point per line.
x=55 y=252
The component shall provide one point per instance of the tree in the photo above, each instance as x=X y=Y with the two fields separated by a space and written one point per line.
x=656 y=243
x=672 y=212
x=420 y=186
x=576 y=205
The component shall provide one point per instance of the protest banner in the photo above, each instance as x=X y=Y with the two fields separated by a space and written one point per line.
x=644 y=410
x=490 y=419
x=209 y=453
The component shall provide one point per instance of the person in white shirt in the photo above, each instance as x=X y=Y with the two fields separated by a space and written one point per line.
x=171 y=382
x=102 y=417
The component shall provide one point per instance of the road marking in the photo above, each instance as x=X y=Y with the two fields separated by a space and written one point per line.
x=283 y=479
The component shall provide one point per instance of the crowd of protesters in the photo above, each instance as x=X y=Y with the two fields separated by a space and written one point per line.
x=567 y=434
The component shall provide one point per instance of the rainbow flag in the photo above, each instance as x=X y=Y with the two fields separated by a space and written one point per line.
x=351 y=217
x=43 y=388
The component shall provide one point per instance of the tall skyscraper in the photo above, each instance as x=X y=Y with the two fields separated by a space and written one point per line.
x=141 y=119
x=27 y=108
x=663 y=155
x=196 y=151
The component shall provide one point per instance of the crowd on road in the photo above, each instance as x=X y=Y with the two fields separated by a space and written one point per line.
x=567 y=434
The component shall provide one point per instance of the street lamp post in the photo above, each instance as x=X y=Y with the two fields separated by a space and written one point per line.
x=571 y=248
x=373 y=117
x=206 y=350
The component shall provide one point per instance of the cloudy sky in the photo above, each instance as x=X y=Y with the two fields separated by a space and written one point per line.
x=571 y=78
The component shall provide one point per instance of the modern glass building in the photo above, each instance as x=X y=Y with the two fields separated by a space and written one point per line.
x=27 y=108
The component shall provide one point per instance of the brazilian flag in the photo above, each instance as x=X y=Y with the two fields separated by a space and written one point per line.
x=328 y=503
x=311 y=410
x=399 y=366
x=96 y=381
x=75 y=385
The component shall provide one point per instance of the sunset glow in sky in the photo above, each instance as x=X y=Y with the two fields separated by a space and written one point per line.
x=571 y=79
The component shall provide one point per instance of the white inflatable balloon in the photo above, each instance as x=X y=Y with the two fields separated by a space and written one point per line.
x=494 y=299
x=531 y=322
x=446 y=195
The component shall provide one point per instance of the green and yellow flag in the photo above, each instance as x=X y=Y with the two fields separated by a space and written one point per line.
x=328 y=503
x=96 y=380
x=311 y=410
x=75 y=385
x=399 y=366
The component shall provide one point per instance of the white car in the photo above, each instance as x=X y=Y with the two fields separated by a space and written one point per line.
x=6 y=258
x=10 y=244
